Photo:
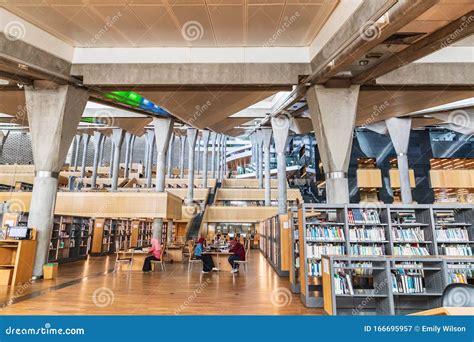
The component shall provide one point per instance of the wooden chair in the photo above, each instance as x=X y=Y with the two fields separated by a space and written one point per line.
x=187 y=249
x=192 y=260
x=160 y=262
x=122 y=260
x=247 y=253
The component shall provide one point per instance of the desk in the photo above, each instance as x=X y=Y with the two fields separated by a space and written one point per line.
x=220 y=260
x=16 y=261
x=174 y=253
x=138 y=259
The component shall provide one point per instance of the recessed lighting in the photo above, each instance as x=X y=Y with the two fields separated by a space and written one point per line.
x=363 y=62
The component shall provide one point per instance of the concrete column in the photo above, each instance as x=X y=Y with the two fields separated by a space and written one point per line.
x=267 y=140
x=118 y=135
x=53 y=116
x=399 y=131
x=101 y=153
x=163 y=129
x=85 y=144
x=224 y=159
x=3 y=139
x=150 y=143
x=77 y=139
x=97 y=140
x=213 y=154
x=145 y=157
x=181 y=156
x=132 y=147
x=169 y=163
x=259 y=145
x=111 y=159
x=198 y=154
x=333 y=112
x=218 y=157
x=205 y=140
x=192 y=135
x=280 y=128
x=128 y=146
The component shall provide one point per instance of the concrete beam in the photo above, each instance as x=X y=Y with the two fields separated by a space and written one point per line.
x=267 y=140
x=118 y=136
x=163 y=129
x=281 y=127
x=192 y=135
x=97 y=140
x=206 y=135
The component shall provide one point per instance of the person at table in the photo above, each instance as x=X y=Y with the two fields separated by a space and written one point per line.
x=155 y=251
x=207 y=262
x=239 y=254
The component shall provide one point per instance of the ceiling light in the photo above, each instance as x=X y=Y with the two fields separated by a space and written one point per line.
x=363 y=62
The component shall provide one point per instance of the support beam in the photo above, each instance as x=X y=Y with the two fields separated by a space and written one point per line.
x=85 y=145
x=224 y=159
x=198 y=155
x=218 y=157
x=259 y=145
x=399 y=131
x=77 y=140
x=333 y=112
x=169 y=163
x=3 y=139
x=181 y=156
x=191 y=136
x=97 y=140
x=53 y=117
x=101 y=153
x=128 y=146
x=213 y=154
x=280 y=128
x=111 y=158
x=118 y=136
x=267 y=140
x=150 y=143
x=206 y=134
x=132 y=148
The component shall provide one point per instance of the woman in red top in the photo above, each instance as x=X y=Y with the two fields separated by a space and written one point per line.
x=155 y=251
x=239 y=254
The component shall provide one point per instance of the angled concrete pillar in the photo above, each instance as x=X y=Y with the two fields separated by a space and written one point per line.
x=253 y=159
x=85 y=145
x=280 y=128
x=181 y=155
x=111 y=159
x=118 y=136
x=53 y=117
x=333 y=112
x=163 y=129
x=3 y=139
x=169 y=163
x=150 y=143
x=77 y=140
x=399 y=131
x=192 y=135
x=132 y=148
x=224 y=159
x=206 y=134
x=198 y=154
x=97 y=141
x=267 y=140
x=218 y=156
x=101 y=153
x=213 y=154
x=259 y=145
x=128 y=146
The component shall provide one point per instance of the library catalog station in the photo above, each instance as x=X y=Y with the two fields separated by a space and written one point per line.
x=237 y=157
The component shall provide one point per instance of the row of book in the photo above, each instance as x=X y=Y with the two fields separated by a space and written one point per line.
x=314 y=268
x=404 y=281
x=363 y=216
x=452 y=234
x=410 y=251
x=372 y=234
x=358 y=268
x=460 y=250
x=457 y=277
x=367 y=250
x=315 y=251
x=343 y=283
x=401 y=217
x=325 y=233
x=408 y=234
x=445 y=216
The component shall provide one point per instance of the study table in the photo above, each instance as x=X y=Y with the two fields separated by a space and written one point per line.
x=220 y=259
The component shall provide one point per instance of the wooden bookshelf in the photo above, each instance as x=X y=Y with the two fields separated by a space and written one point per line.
x=276 y=247
x=295 y=251
x=17 y=258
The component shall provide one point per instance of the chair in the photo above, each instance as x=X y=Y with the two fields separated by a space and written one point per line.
x=122 y=260
x=458 y=295
x=160 y=262
x=192 y=259
x=247 y=254
x=187 y=249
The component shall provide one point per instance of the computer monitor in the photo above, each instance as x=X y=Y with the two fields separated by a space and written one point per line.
x=19 y=233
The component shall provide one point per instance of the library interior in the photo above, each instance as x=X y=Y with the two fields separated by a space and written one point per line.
x=215 y=157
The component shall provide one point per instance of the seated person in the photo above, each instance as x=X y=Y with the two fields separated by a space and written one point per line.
x=207 y=262
x=217 y=239
x=155 y=255
x=239 y=254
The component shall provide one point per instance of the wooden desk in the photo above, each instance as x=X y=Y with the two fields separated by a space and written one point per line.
x=138 y=259
x=446 y=311
x=174 y=253
x=16 y=260
x=220 y=260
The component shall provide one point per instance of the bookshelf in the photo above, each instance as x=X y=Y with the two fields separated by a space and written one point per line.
x=411 y=231
x=141 y=233
x=295 y=251
x=382 y=285
x=453 y=230
x=321 y=230
x=103 y=238
x=459 y=270
x=367 y=227
x=276 y=243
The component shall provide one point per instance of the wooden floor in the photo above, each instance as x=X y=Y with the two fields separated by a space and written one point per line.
x=89 y=288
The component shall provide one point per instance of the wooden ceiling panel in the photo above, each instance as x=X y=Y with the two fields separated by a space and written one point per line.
x=226 y=21
x=196 y=28
x=447 y=11
x=262 y=24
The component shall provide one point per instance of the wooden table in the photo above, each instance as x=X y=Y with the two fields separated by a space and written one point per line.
x=138 y=259
x=220 y=260
x=174 y=253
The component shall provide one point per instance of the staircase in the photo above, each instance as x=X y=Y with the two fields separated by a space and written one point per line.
x=195 y=224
